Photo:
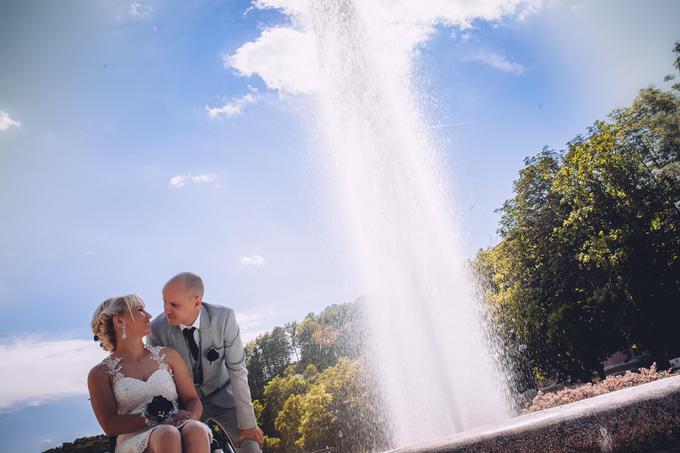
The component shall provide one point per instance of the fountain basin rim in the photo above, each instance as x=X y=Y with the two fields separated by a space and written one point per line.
x=534 y=421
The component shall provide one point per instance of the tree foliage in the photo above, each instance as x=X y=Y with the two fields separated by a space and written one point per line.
x=341 y=400
x=589 y=261
x=276 y=392
x=267 y=357
x=337 y=332
x=303 y=405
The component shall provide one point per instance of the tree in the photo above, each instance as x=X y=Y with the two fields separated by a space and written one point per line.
x=276 y=392
x=343 y=399
x=291 y=328
x=318 y=342
x=267 y=357
x=589 y=261
x=255 y=366
x=288 y=422
x=676 y=64
x=338 y=331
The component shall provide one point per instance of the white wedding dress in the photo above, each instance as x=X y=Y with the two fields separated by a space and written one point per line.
x=132 y=396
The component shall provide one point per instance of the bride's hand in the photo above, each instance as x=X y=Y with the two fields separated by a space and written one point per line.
x=180 y=417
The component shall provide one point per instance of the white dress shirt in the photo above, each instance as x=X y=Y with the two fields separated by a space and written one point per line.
x=197 y=325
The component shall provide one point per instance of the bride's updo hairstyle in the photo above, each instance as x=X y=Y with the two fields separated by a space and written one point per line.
x=102 y=320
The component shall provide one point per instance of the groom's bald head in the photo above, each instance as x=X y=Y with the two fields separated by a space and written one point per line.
x=192 y=284
x=182 y=298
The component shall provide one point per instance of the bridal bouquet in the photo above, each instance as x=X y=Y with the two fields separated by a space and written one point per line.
x=159 y=410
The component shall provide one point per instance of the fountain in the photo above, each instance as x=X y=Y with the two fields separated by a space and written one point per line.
x=442 y=387
x=433 y=359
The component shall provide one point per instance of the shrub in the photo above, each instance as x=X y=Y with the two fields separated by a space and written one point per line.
x=610 y=384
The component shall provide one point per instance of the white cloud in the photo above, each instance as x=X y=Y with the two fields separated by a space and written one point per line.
x=141 y=11
x=253 y=260
x=178 y=181
x=499 y=61
x=6 y=122
x=283 y=57
x=66 y=362
x=181 y=180
x=204 y=179
x=232 y=108
x=286 y=57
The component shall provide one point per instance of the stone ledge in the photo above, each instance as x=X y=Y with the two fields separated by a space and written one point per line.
x=645 y=418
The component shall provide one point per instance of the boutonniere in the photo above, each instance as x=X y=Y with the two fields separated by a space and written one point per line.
x=212 y=355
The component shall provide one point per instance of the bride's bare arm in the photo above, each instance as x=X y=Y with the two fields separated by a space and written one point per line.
x=184 y=384
x=105 y=408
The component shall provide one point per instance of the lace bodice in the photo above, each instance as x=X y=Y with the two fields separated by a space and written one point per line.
x=132 y=394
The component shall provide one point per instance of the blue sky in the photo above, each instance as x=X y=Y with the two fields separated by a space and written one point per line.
x=132 y=147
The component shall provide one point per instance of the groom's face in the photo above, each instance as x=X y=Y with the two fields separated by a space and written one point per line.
x=179 y=306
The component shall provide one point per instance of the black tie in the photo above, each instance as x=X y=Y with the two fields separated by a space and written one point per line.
x=193 y=347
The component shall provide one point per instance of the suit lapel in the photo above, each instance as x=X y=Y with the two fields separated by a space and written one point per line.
x=180 y=344
x=206 y=339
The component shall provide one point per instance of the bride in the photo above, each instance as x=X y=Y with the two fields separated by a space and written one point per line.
x=124 y=383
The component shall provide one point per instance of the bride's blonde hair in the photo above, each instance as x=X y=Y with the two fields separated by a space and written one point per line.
x=102 y=320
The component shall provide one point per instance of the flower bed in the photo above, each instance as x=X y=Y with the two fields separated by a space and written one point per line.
x=610 y=384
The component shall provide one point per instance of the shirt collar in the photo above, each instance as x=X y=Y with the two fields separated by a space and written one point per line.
x=196 y=323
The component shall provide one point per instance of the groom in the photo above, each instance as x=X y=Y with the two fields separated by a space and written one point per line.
x=208 y=338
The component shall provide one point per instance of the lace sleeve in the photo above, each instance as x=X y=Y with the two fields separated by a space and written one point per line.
x=158 y=353
x=113 y=368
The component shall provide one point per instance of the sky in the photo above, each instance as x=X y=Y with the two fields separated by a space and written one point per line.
x=141 y=139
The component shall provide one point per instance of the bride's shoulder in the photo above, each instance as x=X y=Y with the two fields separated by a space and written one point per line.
x=99 y=372
x=99 y=368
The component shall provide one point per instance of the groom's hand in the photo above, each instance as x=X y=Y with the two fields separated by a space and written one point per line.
x=255 y=434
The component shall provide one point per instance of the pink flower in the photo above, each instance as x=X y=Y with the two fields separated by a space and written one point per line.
x=609 y=384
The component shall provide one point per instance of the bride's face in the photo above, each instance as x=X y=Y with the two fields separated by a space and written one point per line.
x=137 y=321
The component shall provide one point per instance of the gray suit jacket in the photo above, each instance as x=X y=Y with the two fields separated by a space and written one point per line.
x=225 y=381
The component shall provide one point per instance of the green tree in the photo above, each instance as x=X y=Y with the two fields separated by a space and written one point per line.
x=291 y=329
x=316 y=342
x=276 y=392
x=343 y=399
x=338 y=331
x=311 y=373
x=589 y=258
x=266 y=357
x=272 y=445
x=256 y=373
x=288 y=422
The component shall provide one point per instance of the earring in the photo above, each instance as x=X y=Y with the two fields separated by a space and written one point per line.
x=123 y=336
